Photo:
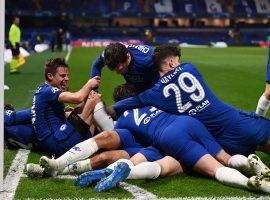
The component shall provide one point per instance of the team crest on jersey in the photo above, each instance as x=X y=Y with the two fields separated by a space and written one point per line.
x=55 y=89
x=63 y=127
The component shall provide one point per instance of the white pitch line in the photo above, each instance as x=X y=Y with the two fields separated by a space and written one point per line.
x=137 y=192
x=14 y=174
x=68 y=55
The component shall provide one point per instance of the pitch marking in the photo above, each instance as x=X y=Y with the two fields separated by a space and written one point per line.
x=14 y=174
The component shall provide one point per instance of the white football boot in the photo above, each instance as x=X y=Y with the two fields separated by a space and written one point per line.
x=34 y=170
x=258 y=166
x=50 y=166
x=259 y=183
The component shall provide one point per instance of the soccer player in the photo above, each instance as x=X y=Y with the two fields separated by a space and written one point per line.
x=195 y=148
x=14 y=40
x=141 y=168
x=134 y=62
x=55 y=133
x=264 y=101
x=181 y=90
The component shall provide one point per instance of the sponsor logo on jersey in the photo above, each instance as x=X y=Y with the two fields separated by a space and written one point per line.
x=155 y=113
x=199 y=108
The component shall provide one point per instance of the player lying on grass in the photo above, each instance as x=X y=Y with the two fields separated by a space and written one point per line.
x=197 y=157
x=134 y=62
x=264 y=101
x=194 y=147
x=18 y=129
x=134 y=150
x=125 y=169
x=54 y=132
x=181 y=90
x=141 y=168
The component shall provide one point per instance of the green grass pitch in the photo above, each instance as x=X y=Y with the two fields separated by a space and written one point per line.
x=236 y=75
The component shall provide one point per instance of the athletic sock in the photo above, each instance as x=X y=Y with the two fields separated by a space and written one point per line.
x=103 y=120
x=130 y=164
x=232 y=177
x=240 y=163
x=145 y=170
x=13 y=64
x=263 y=105
x=77 y=167
x=80 y=151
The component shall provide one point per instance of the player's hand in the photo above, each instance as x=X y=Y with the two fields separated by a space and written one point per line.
x=94 y=96
x=94 y=82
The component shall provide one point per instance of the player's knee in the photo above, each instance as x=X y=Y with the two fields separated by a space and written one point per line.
x=99 y=161
x=110 y=135
x=267 y=94
x=108 y=140
x=170 y=167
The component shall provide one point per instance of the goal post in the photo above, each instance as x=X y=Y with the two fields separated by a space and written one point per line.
x=2 y=43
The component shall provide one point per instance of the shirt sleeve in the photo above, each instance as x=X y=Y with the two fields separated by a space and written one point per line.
x=52 y=94
x=127 y=104
x=97 y=66
x=141 y=100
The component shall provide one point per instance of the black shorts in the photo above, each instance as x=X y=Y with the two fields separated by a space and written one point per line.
x=15 y=50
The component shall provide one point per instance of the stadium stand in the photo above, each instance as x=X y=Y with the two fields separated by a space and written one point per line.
x=192 y=21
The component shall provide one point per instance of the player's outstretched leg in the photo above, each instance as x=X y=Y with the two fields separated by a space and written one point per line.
x=87 y=178
x=259 y=183
x=120 y=173
x=258 y=166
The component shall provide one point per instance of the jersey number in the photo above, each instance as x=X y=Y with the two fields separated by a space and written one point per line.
x=195 y=85
x=138 y=118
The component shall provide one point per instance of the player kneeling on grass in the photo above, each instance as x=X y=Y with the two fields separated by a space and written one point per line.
x=54 y=132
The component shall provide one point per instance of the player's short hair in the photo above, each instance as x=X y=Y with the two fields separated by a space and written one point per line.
x=124 y=91
x=52 y=65
x=114 y=54
x=164 y=51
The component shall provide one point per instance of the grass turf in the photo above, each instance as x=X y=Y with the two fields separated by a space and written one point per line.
x=236 y=75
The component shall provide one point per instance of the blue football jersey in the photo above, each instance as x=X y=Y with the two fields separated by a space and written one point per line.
x=268 y=67
x=47 y=112
x=183 y=91
x=183 y=137
x=141 y=72
x=145 y=123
